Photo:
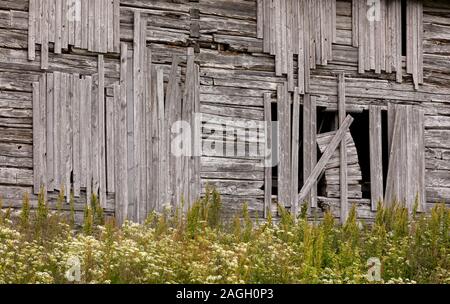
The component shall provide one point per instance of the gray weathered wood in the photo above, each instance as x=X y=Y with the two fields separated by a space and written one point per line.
x=340 y=134
x=343 y=151
x=376 y=157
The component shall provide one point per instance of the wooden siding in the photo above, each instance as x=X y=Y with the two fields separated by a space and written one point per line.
x=238 y=71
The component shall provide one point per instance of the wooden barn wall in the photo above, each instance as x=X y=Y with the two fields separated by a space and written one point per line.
x=235 y=75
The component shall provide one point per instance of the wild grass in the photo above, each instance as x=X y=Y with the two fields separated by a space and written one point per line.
x=200 y=247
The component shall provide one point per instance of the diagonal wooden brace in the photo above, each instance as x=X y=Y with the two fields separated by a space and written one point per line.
x=340 y=135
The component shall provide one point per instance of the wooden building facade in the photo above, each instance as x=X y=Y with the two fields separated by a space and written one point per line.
x=330 y=102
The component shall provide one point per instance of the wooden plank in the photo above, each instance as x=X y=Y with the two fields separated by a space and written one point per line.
x=84 y=23
x=77 y=23
x=110 y=145
x=32 y=30
x=91 y=23
x=116 y=9
x=44 y=29
x=42 y=131
x=259 y=19
x=110 y=26
x=95 y=133
x=137 y=108
x=142 y=208
x=36 y=140
x=57 y=128
x=101 y=130
x=268 y=153
x=391 y=193
x=88 y=139
x=283 y=15
x=84 y=131
x=421 y=159
x=171 y=112
x=68 y=136
x=50 y=131
x=289 y=45
x=313 y=147
x=284 y=145
x=149 y=124
x=71 y=21
x=278 y=39
x=122 y=190
x=65 y=24
x=376 y=157
x=58 y=27
x=103 y=26
x=51 y=21
x=155 y=132
x=265 y=21
x=163 y=174
x=301 y=63
x=76 y=125
x=340 y=135
x=295 y=149
x=343 y=151
x=307 y=142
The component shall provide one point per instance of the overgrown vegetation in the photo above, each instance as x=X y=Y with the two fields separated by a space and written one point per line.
x=199 y=247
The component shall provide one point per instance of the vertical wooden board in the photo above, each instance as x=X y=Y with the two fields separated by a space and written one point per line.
x=266 y=22
x=284 y=132
x=95 y=141
x=103 y=24
x=268 y=155
x=77 y=23
x=343 y=151
x=42 y=131
x=361 y=38
x=65 y=24
x=313 y=147
x=71 y=21
x=63 y=132
x=122 y=137
x=259 y=19
x=295 y=26
x=57 y=128
x=289 y=46
x=44 y=33
x=307 y=143
x=273 y=27
x=58 y=27
x=38 y=21
x=420 y=39
x=197 y=133
x=51 y=20
x=163 y=138
x=300 y=47
x=50 y=132
x=149 y=124
x=88 y=140
x=69 y=136
x=76 y=150
x=355 y=23
x=101 y=131
x=376 y=157
x=36 y=139
x=391 y=180
x=84 y=131
x=110 y=145
x=278 y=39
x=136 y=108
x=32 y=30
x=110 y=25
x=91 y=26
x=116 y=9
x=421 y=160
x=143 y=119
x=295 y=150
x=97 y=26
x=155 y=161
x=84 y=23
x=283 y=36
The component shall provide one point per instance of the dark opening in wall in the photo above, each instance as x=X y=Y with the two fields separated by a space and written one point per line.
x=273 y=108
x=360 y=133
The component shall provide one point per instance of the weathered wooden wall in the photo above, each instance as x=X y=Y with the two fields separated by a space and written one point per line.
x=236 y=78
